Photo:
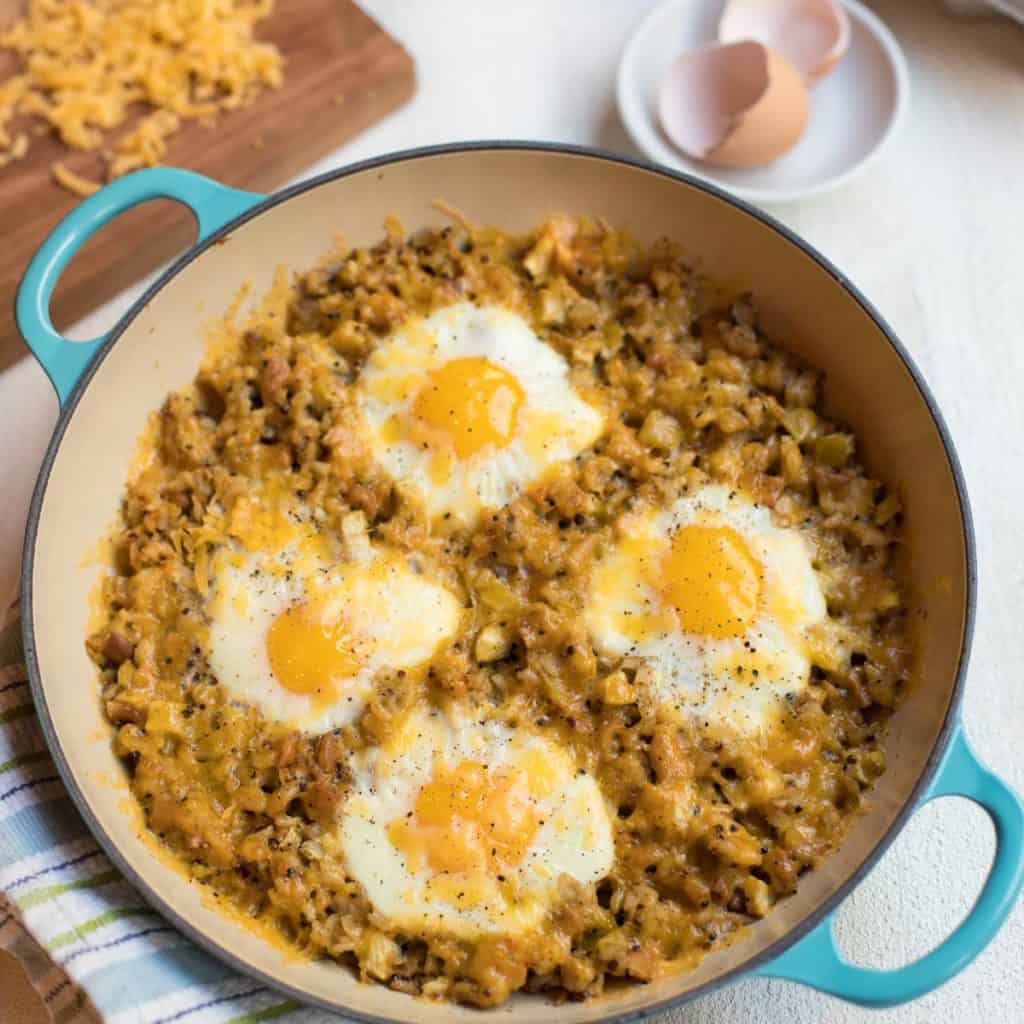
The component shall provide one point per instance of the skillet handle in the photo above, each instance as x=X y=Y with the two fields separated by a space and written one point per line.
x=814 y=960
x=212 y=205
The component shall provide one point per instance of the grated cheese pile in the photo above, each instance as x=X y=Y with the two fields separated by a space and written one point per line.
x=87 y=62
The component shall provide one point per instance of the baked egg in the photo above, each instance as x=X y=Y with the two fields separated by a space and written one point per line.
x=302 y=622
x=467 y=407
x=464 y=826
x=723 y=607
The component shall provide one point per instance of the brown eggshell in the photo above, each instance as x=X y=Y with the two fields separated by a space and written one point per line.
x=773 y=125
x=733 y=105
x=811 y=34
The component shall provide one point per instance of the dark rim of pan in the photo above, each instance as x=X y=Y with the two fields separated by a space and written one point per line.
x=802 y=927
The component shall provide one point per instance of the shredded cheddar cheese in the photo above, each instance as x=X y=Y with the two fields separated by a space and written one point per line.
x=67 y=178
x=87 y=66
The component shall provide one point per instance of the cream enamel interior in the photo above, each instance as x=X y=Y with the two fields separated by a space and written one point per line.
x=804 y=309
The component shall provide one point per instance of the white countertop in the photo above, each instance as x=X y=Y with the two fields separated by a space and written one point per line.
x=934 y=234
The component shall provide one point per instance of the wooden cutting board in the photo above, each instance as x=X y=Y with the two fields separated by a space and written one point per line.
x=342 y=73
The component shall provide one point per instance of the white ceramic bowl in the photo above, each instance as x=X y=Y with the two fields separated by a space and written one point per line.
x=855 y=110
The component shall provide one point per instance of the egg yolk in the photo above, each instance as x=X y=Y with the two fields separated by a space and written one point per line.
x=712 y=581
x=472 y=403
x=309 y=649
x=468 y=821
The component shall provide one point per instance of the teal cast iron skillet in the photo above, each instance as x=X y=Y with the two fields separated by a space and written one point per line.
x=806 y=952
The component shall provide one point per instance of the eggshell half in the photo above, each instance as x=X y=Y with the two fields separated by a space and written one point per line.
x=811 y=34
x=733 y=105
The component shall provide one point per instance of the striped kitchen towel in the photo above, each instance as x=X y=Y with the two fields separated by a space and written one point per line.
x=92 y=947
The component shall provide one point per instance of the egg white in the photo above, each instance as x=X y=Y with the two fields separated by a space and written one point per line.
x=742 y=683
x=574 y=838
x=554 y=423
x=396 y=617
